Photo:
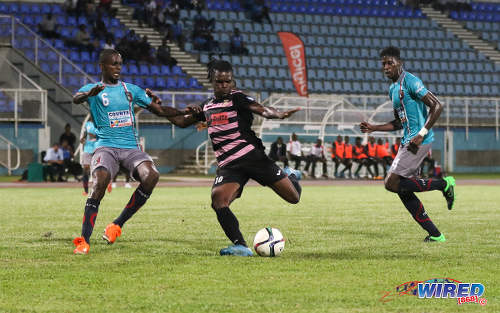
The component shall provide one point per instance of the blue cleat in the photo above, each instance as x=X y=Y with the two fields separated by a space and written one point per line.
x=289 y=171
x=237 y=250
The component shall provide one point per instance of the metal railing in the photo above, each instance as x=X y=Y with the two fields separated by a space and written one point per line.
x=7 y=162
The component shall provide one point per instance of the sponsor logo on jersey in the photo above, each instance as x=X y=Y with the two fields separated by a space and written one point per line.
x=219 y=119
x=120 y=118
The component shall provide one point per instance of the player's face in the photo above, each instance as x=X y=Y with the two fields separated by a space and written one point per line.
x=112 y=68
x=223 y=83
x=391 y=67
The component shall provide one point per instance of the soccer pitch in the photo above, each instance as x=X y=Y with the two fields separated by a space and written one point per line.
x=347 y=247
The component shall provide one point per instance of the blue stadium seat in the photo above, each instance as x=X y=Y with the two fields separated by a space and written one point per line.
x=161 y=83
x=144 y=69
x=171 y=83
x=193 y=84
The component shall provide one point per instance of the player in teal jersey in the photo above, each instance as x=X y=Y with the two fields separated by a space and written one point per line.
x=410 y=98
x=88 y=141
x=112 y=108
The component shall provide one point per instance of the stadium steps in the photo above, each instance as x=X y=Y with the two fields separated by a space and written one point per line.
x=189 y=166
x=462 y=33
x=185 y=60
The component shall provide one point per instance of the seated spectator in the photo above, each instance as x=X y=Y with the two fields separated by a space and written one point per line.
x=163 y=55
x=338 y=148
x=258 y=11
x=70 y=166
x=108 y=44
x=55 y=163
x=175 y=33
x=70 y=6
x=105 y=7
x=360 y=157
x=48 y=27
x=237 y=45
x=82 y=40
x=68 y=136
x=172 y=11
x=317 y=154
x=201 y=22
x=371 y=152
x=144 y=50
x=383 y=155
x=151 y=13
x=294 y=151
x=347 y=158
x=199 y=4
x=278 y=151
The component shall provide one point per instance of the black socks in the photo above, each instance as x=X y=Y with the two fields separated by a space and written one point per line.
x=89 y=216
x=230 y=225
x=419 y=185
x=416 y=209
x=139 y=197
x=85 y=181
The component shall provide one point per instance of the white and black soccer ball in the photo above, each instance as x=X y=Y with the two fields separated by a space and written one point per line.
x=269 y=242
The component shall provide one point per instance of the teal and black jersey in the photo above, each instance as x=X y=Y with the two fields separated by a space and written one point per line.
x=113 y=113
x=406 y=95
x=89 y=145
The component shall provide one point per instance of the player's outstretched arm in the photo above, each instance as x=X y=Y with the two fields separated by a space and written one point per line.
x=435 y=109
x=81 y=97
x=271 y=113
x=391 y=126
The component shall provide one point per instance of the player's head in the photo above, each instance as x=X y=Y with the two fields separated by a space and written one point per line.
x=294 y=137
x=220 y=74
x=379 y=141
x=371 y=139
x=55 y=146
x=391 y=62
x=67 y=128
x=110 y=62
x=346 y=139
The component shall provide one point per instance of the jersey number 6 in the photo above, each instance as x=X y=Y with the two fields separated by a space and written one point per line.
x=105 y=100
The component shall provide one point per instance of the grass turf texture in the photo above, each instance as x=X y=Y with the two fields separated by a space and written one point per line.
x=345 y=247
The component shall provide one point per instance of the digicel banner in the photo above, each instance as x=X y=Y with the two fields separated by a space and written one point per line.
x=295 y=54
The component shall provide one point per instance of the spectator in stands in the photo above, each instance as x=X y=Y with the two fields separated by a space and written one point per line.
x=337 y=154
x=151 y=13
x=347 y=157
x=383 y=156
x=237 y=45
x=70 y=6
x=105 y=7
x=82 y=40
x=145 y=50
x=55 y=163
x=278 y=152
x=127 y=46
x=48 y=27
x=172 y=10
x=360 y=157
x=316 y=154
x=175 y=33
x=199 y=4
x=294 y=151
x=108 y=44
x=68 y=136
x=258 y=10
x=163 y=55
x=99 y=28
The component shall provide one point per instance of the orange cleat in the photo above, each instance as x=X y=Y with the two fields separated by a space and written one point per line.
x=110 y=188
x=82 y=247
x=85 y=193
x=112 y=232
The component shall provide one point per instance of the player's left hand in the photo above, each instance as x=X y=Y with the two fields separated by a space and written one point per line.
x=288 y=113
x=417 y=140
x=193 y=109
x=155 y=98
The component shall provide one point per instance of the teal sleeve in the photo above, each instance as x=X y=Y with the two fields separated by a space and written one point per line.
x=139 y=95
x=416 y=87
x=86 y=88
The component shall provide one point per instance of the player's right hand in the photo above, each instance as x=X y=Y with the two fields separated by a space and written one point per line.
x=366 y=127
x=95 y=91
x=193 y=109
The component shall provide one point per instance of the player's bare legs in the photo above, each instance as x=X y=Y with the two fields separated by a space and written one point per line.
x=286 y=190
x=147 y=174
x=101 y=178
x=391 y=182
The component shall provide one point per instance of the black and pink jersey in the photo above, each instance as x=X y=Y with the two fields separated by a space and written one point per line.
x=229 y=122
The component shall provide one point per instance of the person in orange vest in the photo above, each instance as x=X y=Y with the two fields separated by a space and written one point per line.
x=383 y=155
x=371 y=152
x=395 y=147
x=360 y=157
x=337 y=154
x=348 y=149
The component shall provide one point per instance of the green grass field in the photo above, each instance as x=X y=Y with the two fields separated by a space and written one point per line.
x=346 y=246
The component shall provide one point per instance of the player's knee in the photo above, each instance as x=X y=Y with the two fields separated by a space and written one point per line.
x=294 y=198
x=219 y=200
x=391 y=186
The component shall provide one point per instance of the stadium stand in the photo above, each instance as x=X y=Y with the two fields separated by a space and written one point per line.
x=30 y=15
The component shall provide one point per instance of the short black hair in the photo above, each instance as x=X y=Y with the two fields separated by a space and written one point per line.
x=105 y=54
x=218 y=65
x=391 y=51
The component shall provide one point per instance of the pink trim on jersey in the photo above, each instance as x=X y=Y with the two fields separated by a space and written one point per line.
x=217 y=140
x=237 y=155
x=220 y=128
x=228 y=147
x=225 y=104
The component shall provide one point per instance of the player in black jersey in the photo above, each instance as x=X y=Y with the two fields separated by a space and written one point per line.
x=240 y=153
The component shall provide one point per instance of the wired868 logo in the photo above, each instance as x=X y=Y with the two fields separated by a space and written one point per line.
x=440 y=288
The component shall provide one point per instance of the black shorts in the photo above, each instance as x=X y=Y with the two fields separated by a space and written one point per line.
x=256 y=165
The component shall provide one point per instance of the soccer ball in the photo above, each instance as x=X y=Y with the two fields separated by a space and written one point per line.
x=269 y=242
